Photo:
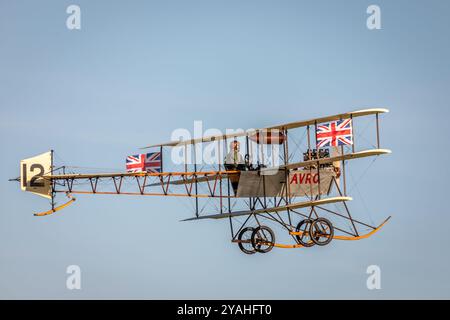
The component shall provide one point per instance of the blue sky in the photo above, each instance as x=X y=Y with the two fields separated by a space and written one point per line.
x=136 y=71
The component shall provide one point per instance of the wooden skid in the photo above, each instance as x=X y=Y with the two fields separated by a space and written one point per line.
x=53 y=210
x=364 y=236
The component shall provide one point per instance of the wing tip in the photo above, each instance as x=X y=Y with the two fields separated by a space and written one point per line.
x=383 y=151
x=189 y=219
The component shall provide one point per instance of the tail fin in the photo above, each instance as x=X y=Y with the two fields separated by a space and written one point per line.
x=32 y=172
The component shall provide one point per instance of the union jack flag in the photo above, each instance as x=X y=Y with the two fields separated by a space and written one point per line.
x=335 y=133
x=150 y=162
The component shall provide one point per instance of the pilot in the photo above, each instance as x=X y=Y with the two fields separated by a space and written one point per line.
x=234 y=159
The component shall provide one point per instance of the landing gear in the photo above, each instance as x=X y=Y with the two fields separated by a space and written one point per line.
x=309 y=232
x=245 y=240
x=321 y=231
x=304 y=238
x=263 y=239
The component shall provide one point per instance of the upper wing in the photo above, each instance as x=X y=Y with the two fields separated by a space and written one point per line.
x=347 y=115
x=291 y=125
x=199 y=140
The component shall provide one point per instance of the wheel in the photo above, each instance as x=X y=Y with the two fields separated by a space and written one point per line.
x=245 y=240
x=304 y=239
x=263 y=239
x=321 y=231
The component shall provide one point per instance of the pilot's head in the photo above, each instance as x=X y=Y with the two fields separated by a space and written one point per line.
x=234 y=145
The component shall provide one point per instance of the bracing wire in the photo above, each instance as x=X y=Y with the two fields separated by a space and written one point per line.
x=355 y=186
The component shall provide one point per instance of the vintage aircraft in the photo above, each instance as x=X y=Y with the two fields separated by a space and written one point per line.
x=289 y=176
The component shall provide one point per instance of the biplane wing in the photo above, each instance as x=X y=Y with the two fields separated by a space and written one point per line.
x=341 y=116
x=291 y=125
x=297 y=205
x=340 y=157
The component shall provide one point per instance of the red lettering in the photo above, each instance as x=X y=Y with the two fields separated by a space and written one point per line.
x=302 y=177
x=316 y=178
x=294 y=179
x=308 y=178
